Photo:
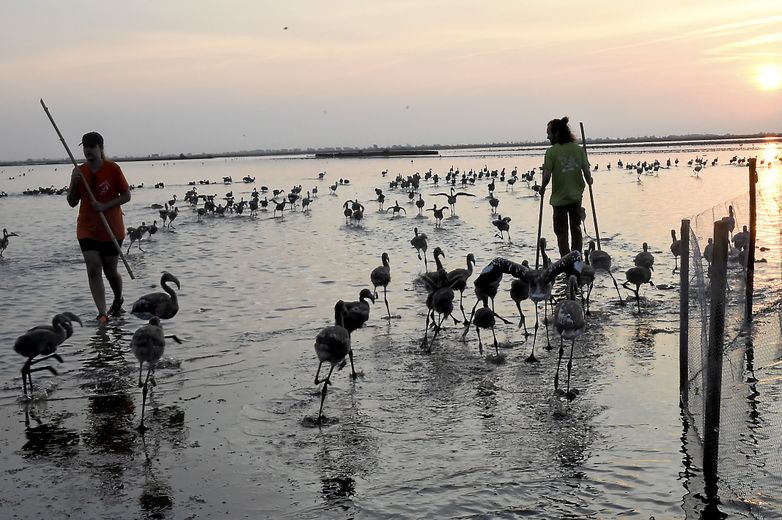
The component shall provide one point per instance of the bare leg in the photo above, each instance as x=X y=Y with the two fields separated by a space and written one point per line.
x=112 y=275
x=95 y=277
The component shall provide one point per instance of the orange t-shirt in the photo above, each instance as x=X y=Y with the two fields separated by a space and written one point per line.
x=107 y=184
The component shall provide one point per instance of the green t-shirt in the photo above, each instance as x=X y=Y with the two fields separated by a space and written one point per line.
x=565 y=161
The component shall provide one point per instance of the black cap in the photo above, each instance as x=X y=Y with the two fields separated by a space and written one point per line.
x=91 y=139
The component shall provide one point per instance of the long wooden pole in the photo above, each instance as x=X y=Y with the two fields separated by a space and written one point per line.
x=89 y=192
x=591 y=196
x=753 y=233
x=684 y=316
x=540 y=224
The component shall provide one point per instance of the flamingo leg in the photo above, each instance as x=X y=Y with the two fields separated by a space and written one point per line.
x=496 y=345
x=559 y=362
x=616 y=285
x=144 y=391
x=472 y=313
x=545 y=322
x=352 y=368
x=523 y=320
x=570 y=366
x=461 y=306
x=532 y=358
x=385 y=297
x=480 y=344
x=424 y=343
x=323 y=392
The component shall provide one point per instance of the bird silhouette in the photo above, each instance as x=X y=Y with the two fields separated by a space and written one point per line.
x=452 y=196
x=148 y=344
x=43 y=341
x=381 y=276
x=164 y=305
x=569 y=324
x=332 y=344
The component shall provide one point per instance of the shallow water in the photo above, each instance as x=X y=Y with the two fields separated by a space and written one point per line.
x=451 y=434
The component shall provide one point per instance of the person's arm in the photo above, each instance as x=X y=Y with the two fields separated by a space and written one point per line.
x=587 y=174
x=73 y=193
x=546 y=179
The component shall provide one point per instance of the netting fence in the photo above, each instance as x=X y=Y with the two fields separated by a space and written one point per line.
x=732 y=386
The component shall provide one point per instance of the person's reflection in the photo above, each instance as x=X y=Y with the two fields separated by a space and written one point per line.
x=107 y=380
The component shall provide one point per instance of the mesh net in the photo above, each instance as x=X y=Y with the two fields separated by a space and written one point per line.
x=750 y=439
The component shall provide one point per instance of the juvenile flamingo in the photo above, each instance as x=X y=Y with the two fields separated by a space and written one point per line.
x=162 y=305
x=381 y=276
x=419 y=243
x=332 y=344
x=4 y=240
x=148 y=344
x=457 y=280
x=569 y=324
x=43 y=341
x=676 y=249
x=354 y=315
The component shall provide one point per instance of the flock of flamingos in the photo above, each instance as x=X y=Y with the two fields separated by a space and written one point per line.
x=576 y=270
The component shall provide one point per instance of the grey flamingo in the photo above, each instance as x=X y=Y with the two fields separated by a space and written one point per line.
x=4 y=240
x=569 y=323
x=457 y=280
x=381 y=276
x=148 y=344
x=453 y=196
x=354 y=315
x=43 y=341
x=332 y=344
x=163 y=305
x=638 y=276
x=419 y=243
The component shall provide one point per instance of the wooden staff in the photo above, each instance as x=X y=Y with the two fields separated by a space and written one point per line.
x=540 y=224
x=591 y=196
x=89 y=192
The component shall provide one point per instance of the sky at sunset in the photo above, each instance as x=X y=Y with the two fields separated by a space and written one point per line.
x=193 y=76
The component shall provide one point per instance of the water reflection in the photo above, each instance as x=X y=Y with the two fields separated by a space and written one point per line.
x=156 y=499
x=347 y=451
x=47 y=439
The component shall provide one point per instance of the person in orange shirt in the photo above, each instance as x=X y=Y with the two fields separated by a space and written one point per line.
x=111 y=190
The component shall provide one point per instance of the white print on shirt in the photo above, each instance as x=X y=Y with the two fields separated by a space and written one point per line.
x=103 y=188
x=568 y=164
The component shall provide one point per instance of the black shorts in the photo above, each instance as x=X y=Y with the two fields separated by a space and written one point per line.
x=104 y=248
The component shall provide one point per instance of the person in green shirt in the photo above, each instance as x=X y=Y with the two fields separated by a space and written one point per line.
x=567 y=167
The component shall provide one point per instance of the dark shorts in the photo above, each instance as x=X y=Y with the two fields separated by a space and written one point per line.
x=104 y=248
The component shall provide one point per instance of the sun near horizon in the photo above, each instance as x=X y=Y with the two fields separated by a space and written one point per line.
x=769 y=77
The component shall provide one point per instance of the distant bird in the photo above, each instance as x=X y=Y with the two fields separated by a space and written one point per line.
x=420 y=205
x=569 y=324
x=731 y=220
x=148 y=344
x=452 y=198
x=152 y=229
x=354 y=315
x=638 y=276
x=43 y=341
x=676 y=249
x=502 y=224
x=644 y=258
x=135 y=235
x=4 y=240
x=438 y=214
x=162 y=305
x=332 y=345
x=493 y=202
x=419 y=243
x=381 y=276
x=708 y=253
x=396 y=208
x=457 y=280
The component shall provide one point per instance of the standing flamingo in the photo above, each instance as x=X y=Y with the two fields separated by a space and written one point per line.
x=381 y=276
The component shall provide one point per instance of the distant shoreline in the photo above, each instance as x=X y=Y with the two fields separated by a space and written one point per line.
x=426 y=150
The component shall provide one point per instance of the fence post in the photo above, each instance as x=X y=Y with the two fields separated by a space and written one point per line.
x=684 y=314
x=711 y=421
x=753 y=224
